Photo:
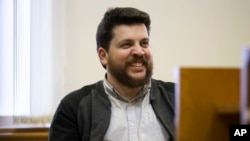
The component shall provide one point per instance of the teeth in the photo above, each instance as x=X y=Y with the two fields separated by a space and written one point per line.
x=137 y=64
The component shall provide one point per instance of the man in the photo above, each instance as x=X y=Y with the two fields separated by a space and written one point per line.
x=127 y=105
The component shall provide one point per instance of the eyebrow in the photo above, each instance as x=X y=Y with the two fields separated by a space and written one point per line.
x=129 y=40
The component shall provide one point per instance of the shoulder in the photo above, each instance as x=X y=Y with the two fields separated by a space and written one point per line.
x=168 y=86
x=76 y=96
x=65 y=119
x=68 y=106
x=165 y=89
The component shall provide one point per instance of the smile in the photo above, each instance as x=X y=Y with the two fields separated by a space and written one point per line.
x=137 y=64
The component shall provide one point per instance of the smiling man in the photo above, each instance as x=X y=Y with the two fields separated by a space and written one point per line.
x=128 y=60
x=128 y=104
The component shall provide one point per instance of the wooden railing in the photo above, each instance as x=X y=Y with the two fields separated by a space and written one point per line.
x=24 y=134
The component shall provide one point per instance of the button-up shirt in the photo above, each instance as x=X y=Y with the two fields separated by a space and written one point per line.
x=133 y=120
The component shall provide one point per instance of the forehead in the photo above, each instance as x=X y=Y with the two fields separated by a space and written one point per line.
x=132 y=32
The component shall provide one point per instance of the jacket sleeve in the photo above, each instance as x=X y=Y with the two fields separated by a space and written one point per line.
x=64 y=123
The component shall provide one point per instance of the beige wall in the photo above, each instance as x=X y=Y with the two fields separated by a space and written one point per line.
x=202 y=33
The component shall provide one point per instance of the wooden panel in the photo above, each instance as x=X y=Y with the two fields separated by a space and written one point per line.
x=207 y=102
x=24 y=134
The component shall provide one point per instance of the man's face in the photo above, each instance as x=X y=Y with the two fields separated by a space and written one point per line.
x=129 y=59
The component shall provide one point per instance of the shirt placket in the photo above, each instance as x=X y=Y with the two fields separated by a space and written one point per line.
x=132 y=123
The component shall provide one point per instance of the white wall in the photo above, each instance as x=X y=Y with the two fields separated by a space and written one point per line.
x=199 y=33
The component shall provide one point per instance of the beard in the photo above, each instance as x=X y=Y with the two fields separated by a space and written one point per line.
x=120 y=72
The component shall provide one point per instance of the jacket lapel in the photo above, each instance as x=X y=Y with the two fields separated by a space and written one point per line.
x=101 y=113
x=162 y=107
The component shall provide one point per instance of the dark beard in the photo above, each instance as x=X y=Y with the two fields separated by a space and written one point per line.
x=121 y=75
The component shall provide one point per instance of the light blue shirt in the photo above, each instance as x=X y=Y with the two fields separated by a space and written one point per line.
x=133 y=120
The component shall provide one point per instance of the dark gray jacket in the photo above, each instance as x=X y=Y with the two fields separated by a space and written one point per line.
x=84 y=114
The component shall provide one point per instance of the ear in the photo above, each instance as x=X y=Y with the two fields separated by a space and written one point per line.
x=103 y=56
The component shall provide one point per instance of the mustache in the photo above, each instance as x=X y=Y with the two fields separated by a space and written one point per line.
x=137 y=59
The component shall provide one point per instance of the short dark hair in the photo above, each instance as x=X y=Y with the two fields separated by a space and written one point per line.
x=119 y=16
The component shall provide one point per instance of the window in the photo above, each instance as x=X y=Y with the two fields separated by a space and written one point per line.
x=28 y=61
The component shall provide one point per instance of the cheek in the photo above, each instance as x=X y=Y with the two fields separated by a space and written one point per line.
x=117 y=59
x=148 y=54
x=121 y=55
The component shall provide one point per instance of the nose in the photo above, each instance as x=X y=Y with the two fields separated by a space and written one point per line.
x=138 y=50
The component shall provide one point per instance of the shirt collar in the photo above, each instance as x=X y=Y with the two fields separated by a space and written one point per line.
x=110 y=90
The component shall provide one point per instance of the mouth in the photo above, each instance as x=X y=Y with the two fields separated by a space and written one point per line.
x=137 y=64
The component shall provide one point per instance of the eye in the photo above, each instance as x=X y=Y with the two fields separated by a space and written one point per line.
x=145 y=43
x=126 y=45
